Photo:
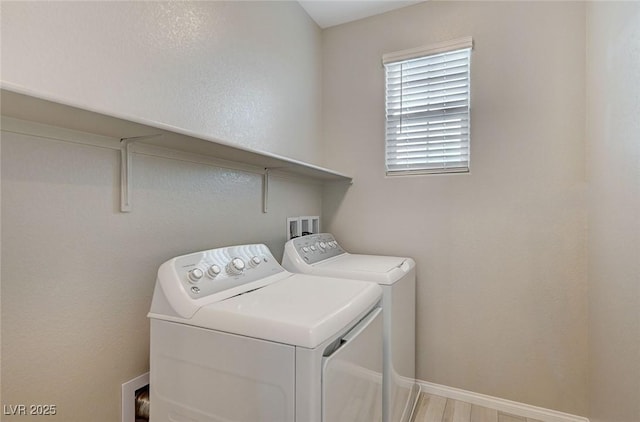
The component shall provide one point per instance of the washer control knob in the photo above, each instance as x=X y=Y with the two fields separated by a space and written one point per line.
x=254 y=262
x=313 y=248
x=322 y=246
x=236 y=266
x=213 y=271
x=195 y=275
x=305 y=249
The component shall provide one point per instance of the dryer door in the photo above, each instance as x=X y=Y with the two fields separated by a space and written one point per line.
x=352 y=374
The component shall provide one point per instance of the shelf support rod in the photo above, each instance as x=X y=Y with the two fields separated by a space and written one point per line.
x=125 y=173
x=126 y=149
x=265 y=191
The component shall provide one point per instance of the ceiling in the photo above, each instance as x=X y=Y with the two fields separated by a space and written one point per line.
x=328 y=13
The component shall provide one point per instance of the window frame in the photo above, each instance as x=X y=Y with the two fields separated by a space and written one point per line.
x=404 y=56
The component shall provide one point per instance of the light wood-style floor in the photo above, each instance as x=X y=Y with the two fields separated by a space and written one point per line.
x=440 y=409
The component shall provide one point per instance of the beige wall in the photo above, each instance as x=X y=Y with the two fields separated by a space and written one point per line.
x=613 y=141
x=244 y=72
x=500 y=252
x=77 y=275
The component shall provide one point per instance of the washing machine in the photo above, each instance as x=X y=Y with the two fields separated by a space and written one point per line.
x=320 y=254
x=237 y=338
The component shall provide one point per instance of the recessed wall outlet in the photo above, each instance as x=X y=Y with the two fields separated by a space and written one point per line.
x=315 y=225
x=300 y=226
x=129 y=389
x=293 y=227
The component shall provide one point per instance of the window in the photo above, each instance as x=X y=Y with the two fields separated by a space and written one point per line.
x=427 y=104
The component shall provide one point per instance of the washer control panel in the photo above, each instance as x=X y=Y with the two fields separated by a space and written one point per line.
x=317 y=247
x=208 y=272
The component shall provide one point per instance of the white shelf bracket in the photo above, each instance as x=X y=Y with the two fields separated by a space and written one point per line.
x=126 y=149
x=265 y=191
x=125 y=174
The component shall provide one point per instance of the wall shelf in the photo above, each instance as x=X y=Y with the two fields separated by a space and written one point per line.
x=21 y=104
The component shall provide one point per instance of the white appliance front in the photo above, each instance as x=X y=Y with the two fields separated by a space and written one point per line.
x=284 y=348
x=320 y=254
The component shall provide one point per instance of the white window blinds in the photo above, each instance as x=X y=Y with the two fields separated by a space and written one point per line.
x=427 y=104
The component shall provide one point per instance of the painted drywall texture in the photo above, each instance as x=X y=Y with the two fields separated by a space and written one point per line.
x=613 y=134
x=241 y=72
x=501 y=252
x=77 y=275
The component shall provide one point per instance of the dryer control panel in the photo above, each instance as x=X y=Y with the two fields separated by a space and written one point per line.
x=218 y=270
x=317 y=247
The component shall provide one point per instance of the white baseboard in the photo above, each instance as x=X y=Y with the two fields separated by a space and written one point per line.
x=507 y=406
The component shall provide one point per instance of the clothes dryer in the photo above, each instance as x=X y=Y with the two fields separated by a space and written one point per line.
x=320 y=254
x=236 y=338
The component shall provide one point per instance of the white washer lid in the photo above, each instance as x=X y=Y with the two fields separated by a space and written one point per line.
x=301 y=310
x=378 y=268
